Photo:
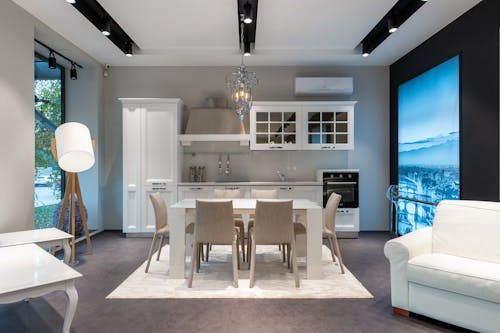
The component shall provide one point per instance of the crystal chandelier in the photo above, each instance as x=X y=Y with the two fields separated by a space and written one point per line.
x=240 y=84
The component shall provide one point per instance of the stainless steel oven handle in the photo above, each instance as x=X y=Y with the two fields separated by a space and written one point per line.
x=341 y=183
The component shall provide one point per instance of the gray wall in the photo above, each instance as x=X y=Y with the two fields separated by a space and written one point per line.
x=17 y=146
x=195 y=84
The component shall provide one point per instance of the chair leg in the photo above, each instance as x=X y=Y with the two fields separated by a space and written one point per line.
x=242 y=240
x=236 y=261
x=199 y=256
x=288 y=254
x=282 y=248
x=209 y=246
x=249 y=247
x=238 y=250
x=279 y=248
x=151 y=249
x=252 y=265
x=337 y=251
x=332 y=249
x=161 y=246
x=295 y=269
x=194 y=260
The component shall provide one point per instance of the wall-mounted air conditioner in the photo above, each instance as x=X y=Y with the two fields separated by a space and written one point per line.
x=310 y=86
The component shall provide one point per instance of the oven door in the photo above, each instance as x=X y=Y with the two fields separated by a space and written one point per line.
x=348 y=191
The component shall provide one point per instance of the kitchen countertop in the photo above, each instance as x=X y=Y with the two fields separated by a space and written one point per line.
x=278 y=183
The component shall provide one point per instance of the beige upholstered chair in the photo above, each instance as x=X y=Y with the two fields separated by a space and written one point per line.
x=328 y=228
x=273 y=225
x=238 y=222
x=215 y=225
x=161 y=225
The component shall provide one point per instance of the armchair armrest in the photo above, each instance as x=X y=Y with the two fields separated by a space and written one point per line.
x=399 y=251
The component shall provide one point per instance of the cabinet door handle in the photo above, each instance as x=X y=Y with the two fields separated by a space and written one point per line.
x=232 y=188
x=326 y=147
x=195 y=188
x=159 y=188
x=286 y=188
x=276 y=147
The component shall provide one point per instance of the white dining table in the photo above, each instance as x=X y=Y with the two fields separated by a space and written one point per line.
x=178 y=220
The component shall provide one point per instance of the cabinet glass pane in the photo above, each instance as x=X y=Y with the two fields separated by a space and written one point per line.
x=262 y=116
x=341 y=127
x=275 y=138
x=275 y=116
x=341 y=116
x=341 y=138
x=290 y=139
x=328 y=127
x=262 y=127
x=313 y=116
x=314 y=127
x=289 y=127
x=313 y=138
x=275 y=127
x=328 y=138
x=289 y=116
x=327 y=116
x=261 y=139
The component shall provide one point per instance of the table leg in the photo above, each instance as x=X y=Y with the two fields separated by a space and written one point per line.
x=67 y=251
x=177 y=242
x=70 y=306
x=314 y=243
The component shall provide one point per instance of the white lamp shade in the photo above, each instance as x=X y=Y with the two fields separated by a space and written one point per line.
x=74 y=147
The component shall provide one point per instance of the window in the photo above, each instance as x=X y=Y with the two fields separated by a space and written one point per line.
x=49 y=113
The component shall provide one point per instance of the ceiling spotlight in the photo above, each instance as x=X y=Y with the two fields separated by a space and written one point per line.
x=365 y=53
x=52 y=60
x=247 y=15
x=71 y=1
x=106 y=27
x=72 y=73
x=247 y=49
x=128 y=49
x=391 y=26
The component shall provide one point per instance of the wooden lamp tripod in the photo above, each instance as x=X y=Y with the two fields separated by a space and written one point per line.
x=74 y=151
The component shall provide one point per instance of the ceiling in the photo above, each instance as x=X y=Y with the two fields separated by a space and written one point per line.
x=205 y=33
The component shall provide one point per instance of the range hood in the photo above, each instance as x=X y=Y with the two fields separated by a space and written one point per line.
x=215 y=125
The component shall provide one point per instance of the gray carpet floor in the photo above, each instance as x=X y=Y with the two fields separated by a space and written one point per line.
x=116 y=257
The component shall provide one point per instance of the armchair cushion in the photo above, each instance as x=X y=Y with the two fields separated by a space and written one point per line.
x=464 y=276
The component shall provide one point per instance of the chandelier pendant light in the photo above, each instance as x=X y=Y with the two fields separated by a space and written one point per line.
x=240 y=84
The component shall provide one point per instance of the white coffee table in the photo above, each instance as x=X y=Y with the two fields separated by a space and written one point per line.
x=28 y=271
x=45 y=238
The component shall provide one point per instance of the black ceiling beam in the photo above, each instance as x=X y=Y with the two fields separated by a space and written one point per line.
x=95 y=13
x=399 y=13
x=251 y=28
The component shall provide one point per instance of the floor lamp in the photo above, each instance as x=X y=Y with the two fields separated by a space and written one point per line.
x=74 y=151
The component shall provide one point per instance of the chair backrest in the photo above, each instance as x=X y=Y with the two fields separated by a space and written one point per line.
x=469 y=229
x=264 y=194
x=214 y=221
x=331 y=210
x=273 y=222
x=160 y=208
x=227 y=194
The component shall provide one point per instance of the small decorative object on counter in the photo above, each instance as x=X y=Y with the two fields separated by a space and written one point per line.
x=219 y=169
x=228 y=166
x=202 y=174
x=192 y=174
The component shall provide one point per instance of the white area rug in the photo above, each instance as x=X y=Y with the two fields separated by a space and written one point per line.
x=272 y=279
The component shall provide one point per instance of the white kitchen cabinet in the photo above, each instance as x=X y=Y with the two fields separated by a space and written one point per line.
x=328 y=126
x=275 y=126
x=302 y=125
x=151 y=157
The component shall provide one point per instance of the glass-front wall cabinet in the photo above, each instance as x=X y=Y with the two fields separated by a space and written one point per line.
x=275 y=127
x=328 y=127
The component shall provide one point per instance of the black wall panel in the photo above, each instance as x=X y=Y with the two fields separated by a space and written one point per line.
x=474 y=36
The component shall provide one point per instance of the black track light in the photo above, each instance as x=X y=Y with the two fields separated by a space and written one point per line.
x=247 y=49
x=106 y=26
x=247 y=14
x=71 y=1
x=366 y=51
x=128 y=49
x=72 y=73
x=52 y=60
x=391 y=25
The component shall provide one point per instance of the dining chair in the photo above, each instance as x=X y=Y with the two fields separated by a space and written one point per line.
x=161 y=225
x=238 y=221
x=215 y=225
x=328 y=228
x=273 y=225
x=261 y=194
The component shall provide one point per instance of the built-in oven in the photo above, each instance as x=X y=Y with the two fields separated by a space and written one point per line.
x=343 y=182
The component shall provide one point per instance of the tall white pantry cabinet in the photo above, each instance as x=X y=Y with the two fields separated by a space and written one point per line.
x=151 y=158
